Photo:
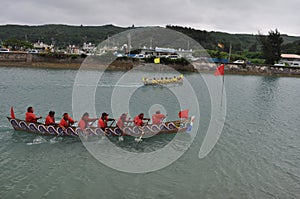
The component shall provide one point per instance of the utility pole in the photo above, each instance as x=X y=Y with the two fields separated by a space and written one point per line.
x=229 y=54
x=129 y=43
x=150 y=43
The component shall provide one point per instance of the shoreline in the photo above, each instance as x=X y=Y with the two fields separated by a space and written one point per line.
x=240 y=70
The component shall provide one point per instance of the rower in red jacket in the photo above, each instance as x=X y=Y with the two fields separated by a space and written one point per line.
x=50 y=120
x=30 y=116
x=84 y=121
x=66 y=121
x=122 y=120
x=102 y=122
x=158 y=117
x=138 y=120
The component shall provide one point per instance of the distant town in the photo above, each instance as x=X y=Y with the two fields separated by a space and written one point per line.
x=87 y=49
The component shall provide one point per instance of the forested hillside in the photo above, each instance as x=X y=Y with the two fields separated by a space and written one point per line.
x=63 y=35
x=60 y=35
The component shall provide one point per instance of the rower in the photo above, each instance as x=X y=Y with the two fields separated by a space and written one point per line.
x=50 y=120
x=158 y=117
x=102 y=122
x=121 y=123
x=30 y=116
x=138 y=120
x=66 y=121
x=84 y=121
x=122 y=120
x=154 y=81
x=174 y=79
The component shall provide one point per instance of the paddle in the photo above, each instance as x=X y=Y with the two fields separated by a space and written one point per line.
x=121 y=139
x=93 y=122
x=139 y=139
x=126 y=123
x=113 y=121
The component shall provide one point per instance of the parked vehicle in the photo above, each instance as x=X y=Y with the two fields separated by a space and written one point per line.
x=280 y=64
x=4 y=50
x=239 y=62
x=33 y=51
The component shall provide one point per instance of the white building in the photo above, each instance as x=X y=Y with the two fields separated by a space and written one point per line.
x=89 y=47
x=290 y=59
x=42 y=46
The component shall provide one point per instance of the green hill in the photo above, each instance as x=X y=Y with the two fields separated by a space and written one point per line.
x=60 y=35
x=63 y=35
x=239 y=42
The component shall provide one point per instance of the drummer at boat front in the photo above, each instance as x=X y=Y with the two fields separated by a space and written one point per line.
x=102 y=122
x=138 y=120
x=85 y=120
x=158 y=117
x=30 y=116
x=66 y=121
x=50 y=120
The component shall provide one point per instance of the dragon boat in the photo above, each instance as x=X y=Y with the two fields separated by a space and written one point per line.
x=162 y=81
x=179 y=126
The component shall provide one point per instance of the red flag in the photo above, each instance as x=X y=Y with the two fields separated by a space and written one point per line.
x=12 y=113
x=220 y=70
x=184 y=114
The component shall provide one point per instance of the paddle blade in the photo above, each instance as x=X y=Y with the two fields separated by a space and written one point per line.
x=190 y=125
x=12 y=113
x=138 y=139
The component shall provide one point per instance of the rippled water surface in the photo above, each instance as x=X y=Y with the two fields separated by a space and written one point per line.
x=257 y=155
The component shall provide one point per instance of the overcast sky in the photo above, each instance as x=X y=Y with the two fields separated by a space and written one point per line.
x=243 y=16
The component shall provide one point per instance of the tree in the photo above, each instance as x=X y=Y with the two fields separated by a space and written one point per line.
x=271 y=46
x=253 y=47
x=16 y=44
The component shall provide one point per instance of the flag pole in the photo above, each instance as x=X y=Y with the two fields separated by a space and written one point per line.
x=222 y=90
x=220 y=71
x=222 y=86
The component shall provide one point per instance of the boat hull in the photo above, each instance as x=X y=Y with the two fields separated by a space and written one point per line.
x=153 y=82
x=147 y=131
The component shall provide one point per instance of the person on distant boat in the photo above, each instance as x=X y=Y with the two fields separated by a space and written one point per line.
x=180 y=77
x=138 y=120
x=50 y=120
x=154 y=81
x=174 y=79
x=30 y=116
x=85 y=120
x=158 y=117
x=66 y=121
x=102 y=122
x=144 y=79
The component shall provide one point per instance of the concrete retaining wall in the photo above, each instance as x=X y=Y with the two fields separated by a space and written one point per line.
x=21 y=59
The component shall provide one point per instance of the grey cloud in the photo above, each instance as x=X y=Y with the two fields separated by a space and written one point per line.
x=218 y=15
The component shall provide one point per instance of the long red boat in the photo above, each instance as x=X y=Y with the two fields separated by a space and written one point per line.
x=178 y=126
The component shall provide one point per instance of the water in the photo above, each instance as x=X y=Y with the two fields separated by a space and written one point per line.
x=257 y=155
